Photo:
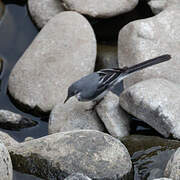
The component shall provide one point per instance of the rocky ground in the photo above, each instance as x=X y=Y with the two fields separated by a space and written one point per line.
x=87 y=141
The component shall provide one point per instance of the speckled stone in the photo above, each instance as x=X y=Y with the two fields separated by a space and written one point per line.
x=157 y=103
x=43 y=11
x=7 y=140
x=114 y=118
x=93 y=153
x=73 y=116
x=77 y=176
x=6 y=172
x=100 y=9
x=148 y=38
x=63 y=52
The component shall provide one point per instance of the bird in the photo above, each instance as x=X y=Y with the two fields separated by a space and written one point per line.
x=94 y=87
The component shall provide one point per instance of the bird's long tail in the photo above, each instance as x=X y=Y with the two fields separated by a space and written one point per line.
x=147 y=63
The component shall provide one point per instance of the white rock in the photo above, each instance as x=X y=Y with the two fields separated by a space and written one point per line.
x=63 y=52
x=113 y=117
x=6 y=172
x=103 y=9
x=7 y=140
x=157 y=103
x=43 y=11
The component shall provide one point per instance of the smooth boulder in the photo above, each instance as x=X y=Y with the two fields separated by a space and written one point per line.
x=114 y=118
x=97 y=9
x=93 y=153
x=148 y=38
x=157 y=103
x=73 y=116
x=43 y=11
x=63 y=52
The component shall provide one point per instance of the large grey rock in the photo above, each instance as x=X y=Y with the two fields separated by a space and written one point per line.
x=6 y=172
x=156 y=102
x=77 y=176
x=103 y=9
x=144 y=39
x=93 y=153
x=43 y=11
x=7 y=140
x=114 y=118
x=11 y=120
x=73 y=116
x=173 y=166
x=64 y=51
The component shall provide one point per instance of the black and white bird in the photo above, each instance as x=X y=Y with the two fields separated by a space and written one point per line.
x=94 y=86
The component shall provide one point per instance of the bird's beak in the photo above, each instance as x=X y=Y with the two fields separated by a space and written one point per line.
x=66 y=99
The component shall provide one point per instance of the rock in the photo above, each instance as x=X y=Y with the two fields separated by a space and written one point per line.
x=77 y=176
x=163 y=179
x=7 y=140
x=13 y=121
x=106 y=56
x=56 y=156
x=105 y=9
x=63 y=52
x=136 y=143
x=113 y=117
x=157 y=5
x=73 y=116
x=43 y=11
x=28 y=139
x=1 y=9
x=145 y=39
x=6 y=172
x=173 y=166
x=156 y=102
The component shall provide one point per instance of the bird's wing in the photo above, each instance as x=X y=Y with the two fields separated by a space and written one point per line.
x=108 y=77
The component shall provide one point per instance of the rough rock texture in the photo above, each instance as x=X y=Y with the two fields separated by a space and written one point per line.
x=114 y=118
x=56 y=156
x=64 y=51
x=144 y=39
x=6 y=172
x=77 y=176
x=73 y=116
x=163 y=179
x=11 y=120
x=43 y=11
x=106 y=56
x=7 y=140
x=173 y=166
x=101 y=9
x=156 y=102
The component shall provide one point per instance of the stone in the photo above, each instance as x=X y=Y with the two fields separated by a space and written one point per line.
x=172 y=169
x=43 y=11
x=114 y=118
x=156 y=102
x=157 y=5
x=63 y=52
x=13 y=121
x=106 y=56
x=162 y=178
x=28 y=139
x=7 y=140
x=148 y=38
x=93 y=153
x=73 y=116
x=105 y=9
x=6 y=172
x=77 y=176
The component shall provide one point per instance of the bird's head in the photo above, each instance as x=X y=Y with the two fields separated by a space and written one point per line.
x=72 y=91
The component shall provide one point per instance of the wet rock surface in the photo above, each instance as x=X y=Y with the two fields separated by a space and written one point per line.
x=114 y=118
x=145 y=39
x=43 y=11
x=104 y=9
x=52 y=62
x=159 y=110
x=173 y=166
x=73 y=116
x=5 y=163
x=92 y=153
x=13 y=121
